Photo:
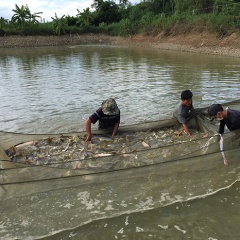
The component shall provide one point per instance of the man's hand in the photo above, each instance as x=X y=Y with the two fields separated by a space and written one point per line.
x=186 y=130
x=89 y=137
x=88 y=130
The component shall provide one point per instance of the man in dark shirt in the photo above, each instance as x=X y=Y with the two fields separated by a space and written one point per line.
x=182 y=110
x=108 y=116
x=228 y=117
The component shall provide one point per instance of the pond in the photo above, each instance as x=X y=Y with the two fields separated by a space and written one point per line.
x=55 y=89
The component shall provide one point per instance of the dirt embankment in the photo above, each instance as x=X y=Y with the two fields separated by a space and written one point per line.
x=193 y=42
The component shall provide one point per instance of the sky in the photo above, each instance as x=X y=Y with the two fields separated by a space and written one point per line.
x=48 y=7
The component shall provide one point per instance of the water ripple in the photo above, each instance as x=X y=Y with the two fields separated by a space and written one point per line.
x=56 y=89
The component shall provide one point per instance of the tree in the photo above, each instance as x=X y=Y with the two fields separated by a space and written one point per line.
x=20 y=15
x=106 y=12
x=23 y=15
x=3 y=22
x=71 y=21
x=182 y=6
x=33 y=17
x=125 y=2
x=84 y=17
x=59 y=24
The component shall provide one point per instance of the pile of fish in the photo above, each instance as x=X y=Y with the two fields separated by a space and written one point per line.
x=74 y=150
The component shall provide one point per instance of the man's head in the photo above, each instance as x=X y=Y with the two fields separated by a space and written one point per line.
x=109 y=107
x=186 y=97
x=215 y=111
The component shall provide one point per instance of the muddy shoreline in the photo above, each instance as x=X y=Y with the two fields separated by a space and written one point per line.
x=206 y=43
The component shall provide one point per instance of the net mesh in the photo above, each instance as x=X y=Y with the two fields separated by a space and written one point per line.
x=59 y=196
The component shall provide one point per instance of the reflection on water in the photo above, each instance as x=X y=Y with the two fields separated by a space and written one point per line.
x=55 y=89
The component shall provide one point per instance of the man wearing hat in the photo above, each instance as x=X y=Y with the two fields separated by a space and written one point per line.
x=228 y=117
x=108 y=116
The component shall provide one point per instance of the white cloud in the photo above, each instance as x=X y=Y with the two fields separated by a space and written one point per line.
x=49 y=8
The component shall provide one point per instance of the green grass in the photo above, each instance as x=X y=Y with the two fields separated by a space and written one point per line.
x=170 y=25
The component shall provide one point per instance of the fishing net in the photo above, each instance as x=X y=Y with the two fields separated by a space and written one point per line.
x=154 y=165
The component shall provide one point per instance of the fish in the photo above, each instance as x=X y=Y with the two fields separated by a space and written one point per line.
x=145 y=144
x=66 y=148
x=102 y=155
x=128 y=155
x=103 y=139
x=24 y=144
x=221 y=150
x=114 y=145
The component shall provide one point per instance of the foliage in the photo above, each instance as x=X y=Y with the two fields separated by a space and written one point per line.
x=37 y=29
x=149 y=16
x=71 y=21
x=127 y=27
x=22 y=15
x=106 y=12
x=231 y=9
x=3 y=22
x=84 y=18
x=221 y=24
x=59 y=24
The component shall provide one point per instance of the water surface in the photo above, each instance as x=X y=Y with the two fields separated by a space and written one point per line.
x=46 y=90
x=52 y=90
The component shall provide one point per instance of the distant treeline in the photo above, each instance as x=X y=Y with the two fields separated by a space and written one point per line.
x=123 y=18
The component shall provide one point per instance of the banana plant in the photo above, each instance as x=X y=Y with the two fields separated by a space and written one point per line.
x=59 y=24
x=20 y=16
x=23 y=15
x=84 y=17
x=3 y=22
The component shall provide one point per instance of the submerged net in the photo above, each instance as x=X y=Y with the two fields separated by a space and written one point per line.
x=154 y=165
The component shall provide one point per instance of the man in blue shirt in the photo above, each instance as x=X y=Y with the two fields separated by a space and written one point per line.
x=228 y=117
x=108 y=116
